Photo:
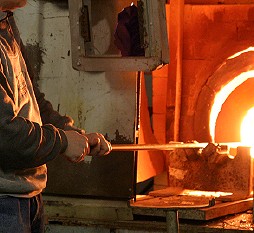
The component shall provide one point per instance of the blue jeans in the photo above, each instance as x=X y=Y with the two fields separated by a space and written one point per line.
x=21 y=215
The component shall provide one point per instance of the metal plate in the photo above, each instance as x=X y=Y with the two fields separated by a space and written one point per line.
x=111 y=176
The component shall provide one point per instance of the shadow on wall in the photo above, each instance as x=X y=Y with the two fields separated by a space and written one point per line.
x=62 y=4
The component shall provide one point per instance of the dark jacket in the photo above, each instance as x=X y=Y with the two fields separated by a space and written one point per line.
x=30 y=130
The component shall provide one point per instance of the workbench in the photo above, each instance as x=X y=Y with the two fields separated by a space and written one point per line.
x=74 y=215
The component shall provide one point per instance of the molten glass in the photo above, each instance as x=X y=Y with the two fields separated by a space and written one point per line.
x=247 y=130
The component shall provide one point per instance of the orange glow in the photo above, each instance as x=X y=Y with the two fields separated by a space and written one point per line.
x=223 y=94
x=206 y=193
x=221 y=97
x=241 y=52
x=247 y=130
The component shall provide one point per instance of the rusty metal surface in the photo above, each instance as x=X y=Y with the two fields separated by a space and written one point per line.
x=175 y=202
x=87 y=213
x=235 y=175
x=241 y=223
x=189 y=208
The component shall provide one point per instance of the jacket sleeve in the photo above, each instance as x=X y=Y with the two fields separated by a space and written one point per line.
x=25 y=144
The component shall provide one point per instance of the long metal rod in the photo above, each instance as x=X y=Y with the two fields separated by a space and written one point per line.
x=169 y=146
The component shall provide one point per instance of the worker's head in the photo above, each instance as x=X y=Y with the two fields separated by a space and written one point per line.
x=11 y=4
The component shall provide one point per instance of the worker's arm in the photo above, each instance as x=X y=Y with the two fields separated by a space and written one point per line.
x=26 y=144
x=23 y=143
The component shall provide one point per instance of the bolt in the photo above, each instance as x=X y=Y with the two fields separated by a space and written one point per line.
x=78 y=63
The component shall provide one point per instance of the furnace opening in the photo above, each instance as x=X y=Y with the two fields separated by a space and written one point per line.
x=233 y=116
x=225 y=100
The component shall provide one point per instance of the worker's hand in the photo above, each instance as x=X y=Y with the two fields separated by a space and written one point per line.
x=98 y=144
x=72 y=127
x=78 y=146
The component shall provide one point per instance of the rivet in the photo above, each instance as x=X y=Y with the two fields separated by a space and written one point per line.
x=78 y=63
